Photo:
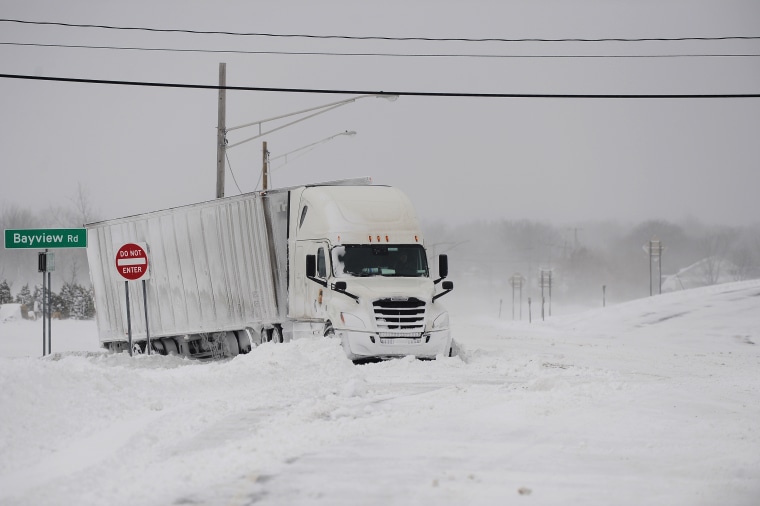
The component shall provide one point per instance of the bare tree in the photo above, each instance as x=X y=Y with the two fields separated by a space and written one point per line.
x=715 y=246
x=83 y=210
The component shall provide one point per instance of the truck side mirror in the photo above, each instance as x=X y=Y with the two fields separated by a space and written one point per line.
x=447 y=287
x=443 y=268
x=443 y=265
x=340 y=286
x=311 y=266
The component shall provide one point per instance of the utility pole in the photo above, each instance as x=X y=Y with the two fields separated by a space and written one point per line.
x=654 y=249
x=264 y=167
x=221 y=131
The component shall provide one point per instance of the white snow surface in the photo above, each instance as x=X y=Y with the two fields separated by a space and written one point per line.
x=655 y=402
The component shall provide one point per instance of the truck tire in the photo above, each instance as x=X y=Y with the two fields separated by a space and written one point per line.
x=277 y=334
x=157 y=347
x=171 y=347
x=329 y=330
x=231 y=344
x=138 y=348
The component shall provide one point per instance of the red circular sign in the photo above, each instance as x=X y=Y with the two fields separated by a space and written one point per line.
x=132 y=261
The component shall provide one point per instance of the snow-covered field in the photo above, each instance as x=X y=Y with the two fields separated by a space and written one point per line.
x=652 y=402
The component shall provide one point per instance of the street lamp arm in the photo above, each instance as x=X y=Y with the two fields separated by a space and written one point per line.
x=329 y=106
x=259 y=122
x=312 y=144
x=335 y=106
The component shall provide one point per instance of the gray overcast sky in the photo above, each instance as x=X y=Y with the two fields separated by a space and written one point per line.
x=141 y=149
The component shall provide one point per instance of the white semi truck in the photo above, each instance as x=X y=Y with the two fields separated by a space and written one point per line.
x=344 y=259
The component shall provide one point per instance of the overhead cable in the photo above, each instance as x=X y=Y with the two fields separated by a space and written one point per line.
x=384 y=38
x=387 y=93
x=412 y=55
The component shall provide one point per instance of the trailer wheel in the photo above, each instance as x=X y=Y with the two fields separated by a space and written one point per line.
x=158 y=347
x=170 y=346
x=277 y=334
x=231 y=344
x=138 y=348
x=329 y=330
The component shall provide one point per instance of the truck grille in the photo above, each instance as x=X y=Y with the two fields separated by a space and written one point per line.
x=400 y=318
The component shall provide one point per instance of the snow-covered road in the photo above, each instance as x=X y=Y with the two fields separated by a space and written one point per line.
x=656 y=401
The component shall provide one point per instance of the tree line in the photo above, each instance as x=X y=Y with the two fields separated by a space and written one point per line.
x=584 y=257
x=73 y=301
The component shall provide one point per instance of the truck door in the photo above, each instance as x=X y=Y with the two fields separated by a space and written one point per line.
x=310 y=304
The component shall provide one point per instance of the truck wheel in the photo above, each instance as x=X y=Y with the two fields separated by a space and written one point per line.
x=231 y=343
x=277 y=334
x=157 y=347
x=170 y=346
x=329 y=330
x=138 y=348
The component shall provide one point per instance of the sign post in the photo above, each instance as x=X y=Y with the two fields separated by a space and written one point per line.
x=516 y=281
x=654 y=248
x=132 y=265
x=46 y=238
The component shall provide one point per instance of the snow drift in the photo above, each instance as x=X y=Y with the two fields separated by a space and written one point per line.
x=649 y=402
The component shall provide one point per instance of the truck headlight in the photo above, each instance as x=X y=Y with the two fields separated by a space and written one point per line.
x=351 y=321
x=441 y=322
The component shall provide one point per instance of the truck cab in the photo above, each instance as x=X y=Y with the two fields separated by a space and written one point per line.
x=359 y=272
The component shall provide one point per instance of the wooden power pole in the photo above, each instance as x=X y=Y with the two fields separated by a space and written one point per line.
x=265 y=167
x=221 y=130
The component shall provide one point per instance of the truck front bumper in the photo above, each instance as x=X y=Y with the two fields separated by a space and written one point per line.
x=361 y=345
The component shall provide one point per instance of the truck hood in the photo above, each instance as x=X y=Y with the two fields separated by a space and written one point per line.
x=380 y=287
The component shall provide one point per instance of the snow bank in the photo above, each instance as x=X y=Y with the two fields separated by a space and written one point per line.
x=10 y=312
x=651 y=402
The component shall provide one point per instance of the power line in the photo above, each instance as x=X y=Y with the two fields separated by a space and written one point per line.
x=384 y=93
x=413 y=55
x=353 y=37
x=233 y=174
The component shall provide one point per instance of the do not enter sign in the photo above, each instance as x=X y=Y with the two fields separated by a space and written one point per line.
x=132 y=261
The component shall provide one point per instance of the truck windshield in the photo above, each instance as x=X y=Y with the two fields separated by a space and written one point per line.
x=379 y=260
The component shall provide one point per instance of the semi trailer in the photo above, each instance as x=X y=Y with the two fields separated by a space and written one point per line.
x=343 y=259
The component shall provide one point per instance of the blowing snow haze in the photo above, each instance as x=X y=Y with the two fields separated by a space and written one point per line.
x=137 y=149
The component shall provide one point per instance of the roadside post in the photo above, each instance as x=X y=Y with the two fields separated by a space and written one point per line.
x=132 y=265
x=45 y=265
x=39 y=238
x=654 y=249
x=530 y=313
x=545 y=282
x=516 y=281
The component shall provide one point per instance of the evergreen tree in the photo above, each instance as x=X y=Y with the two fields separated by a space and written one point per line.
x=89 y=304
x=64 y=302
x=25 y=296
x=58 y=305
x=5 y=293
x=37 y=297
x=77 y=305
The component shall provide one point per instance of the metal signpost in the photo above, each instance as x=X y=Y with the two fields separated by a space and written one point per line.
x=516 y=281
x=654 y=248
x=546 y=282
x=132 y=265
x=46 y=238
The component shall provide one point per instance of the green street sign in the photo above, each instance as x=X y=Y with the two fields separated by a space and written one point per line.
x=43 y=238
